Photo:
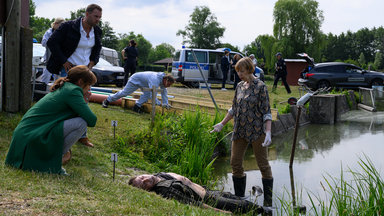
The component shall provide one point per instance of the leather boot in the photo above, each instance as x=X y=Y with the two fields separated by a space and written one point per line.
x=66 y=157
x=239 y=185
x=85 y=141
x=268 y=189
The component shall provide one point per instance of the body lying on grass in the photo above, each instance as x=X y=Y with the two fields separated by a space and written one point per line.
x=174 y=186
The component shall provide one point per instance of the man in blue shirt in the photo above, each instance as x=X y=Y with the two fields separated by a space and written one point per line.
x=144 y=80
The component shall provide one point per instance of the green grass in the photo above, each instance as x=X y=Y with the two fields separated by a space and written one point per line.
x=89 y=190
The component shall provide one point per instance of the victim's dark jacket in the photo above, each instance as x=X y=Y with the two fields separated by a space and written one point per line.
x=64 y=42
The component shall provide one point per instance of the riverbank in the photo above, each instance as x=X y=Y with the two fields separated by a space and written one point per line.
x=89 y=190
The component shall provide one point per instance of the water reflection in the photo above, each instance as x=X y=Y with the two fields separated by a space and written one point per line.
x=321 y=151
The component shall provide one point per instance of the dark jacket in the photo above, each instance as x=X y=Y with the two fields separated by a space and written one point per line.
x=131 y=53
x=64 y=42
x=281 y=68
x=224 y=64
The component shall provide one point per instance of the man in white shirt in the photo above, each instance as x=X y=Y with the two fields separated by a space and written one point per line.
x=76 y=42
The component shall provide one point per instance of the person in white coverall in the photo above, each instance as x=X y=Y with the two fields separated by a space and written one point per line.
x=144 y=80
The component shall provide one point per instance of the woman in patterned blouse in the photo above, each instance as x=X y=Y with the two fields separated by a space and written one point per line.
x=251 y=112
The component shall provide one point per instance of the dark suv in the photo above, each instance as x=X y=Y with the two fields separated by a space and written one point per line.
x=339 y=75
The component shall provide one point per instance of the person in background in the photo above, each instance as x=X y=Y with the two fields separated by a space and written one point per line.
x=251 y=112
x=76 y=42
x=174 y=186
x=225 y=62
x=236 y=58
x=281 y=72
x=129 y=54
x=46 y=76
x=44 y=136
x=144 y=80
x=254 y=60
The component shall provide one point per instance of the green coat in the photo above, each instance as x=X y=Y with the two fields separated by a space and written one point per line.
x=37 y=142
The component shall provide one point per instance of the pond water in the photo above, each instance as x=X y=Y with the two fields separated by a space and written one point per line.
x=321 y=151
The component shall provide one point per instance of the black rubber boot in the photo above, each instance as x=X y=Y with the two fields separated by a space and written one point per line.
x=239 y=185
x=268 y=188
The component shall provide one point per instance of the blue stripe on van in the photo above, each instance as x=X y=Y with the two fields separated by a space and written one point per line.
x=186 y=65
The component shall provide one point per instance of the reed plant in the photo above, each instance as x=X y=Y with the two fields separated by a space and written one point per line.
x=360 y=194
x=196 y=161
x=176 y=143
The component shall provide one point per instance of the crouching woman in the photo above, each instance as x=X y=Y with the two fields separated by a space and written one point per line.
x=49 y=129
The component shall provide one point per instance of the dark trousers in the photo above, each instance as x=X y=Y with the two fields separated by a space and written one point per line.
x=225 y=76
x=129 y=67
x=284 y=79
x=229 y=202
x=236 y=81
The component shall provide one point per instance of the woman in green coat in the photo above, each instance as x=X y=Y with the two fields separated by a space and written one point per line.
x=49 y=129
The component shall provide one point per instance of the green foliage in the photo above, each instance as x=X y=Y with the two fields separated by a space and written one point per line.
x=177 y=143
x=108 y=38
x=203 y=29
x=39 y=26
x=143 y=46
x=161 y=51
x=361 y=60
x=297 y=25
x=379 y=62
x=286 y=109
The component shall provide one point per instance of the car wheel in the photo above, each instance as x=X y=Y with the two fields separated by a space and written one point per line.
x=323 y=84
x=377 y=82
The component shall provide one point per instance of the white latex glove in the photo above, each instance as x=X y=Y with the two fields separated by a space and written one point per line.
x=217 y=127
x=167 y=106
x=268 y=140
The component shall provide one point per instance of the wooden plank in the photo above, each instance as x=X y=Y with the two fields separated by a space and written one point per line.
x=25 y=99
x=12 y=57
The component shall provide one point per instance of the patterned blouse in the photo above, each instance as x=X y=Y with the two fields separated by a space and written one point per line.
x=250 y=109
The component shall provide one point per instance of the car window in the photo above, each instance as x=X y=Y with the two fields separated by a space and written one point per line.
x=352 y=70
x=38 y=50
x=201 y=56
x=214 y=57
x=103 y=62
x=331 y=69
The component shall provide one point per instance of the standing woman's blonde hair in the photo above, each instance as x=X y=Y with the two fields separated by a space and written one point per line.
x=245 y=64
x=75 y=74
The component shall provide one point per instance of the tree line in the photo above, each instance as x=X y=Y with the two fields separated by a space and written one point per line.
x=296 y=29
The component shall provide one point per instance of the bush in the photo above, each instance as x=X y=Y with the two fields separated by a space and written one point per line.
x=177 y=143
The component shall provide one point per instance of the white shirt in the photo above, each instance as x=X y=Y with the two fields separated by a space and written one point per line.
x=44 y=41
x=84 y=48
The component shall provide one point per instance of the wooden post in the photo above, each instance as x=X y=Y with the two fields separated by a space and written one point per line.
x=154 y=93
x=12 y=57
x=295 y=136
x=25 y=99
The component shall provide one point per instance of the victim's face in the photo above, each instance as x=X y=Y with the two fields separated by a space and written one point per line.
x=145 y=182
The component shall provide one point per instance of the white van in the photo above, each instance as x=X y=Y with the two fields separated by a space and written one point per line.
x=186 y=71
x=110 y=55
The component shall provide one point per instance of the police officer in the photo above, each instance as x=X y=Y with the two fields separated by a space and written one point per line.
x=225 y=63
x=281 y=72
